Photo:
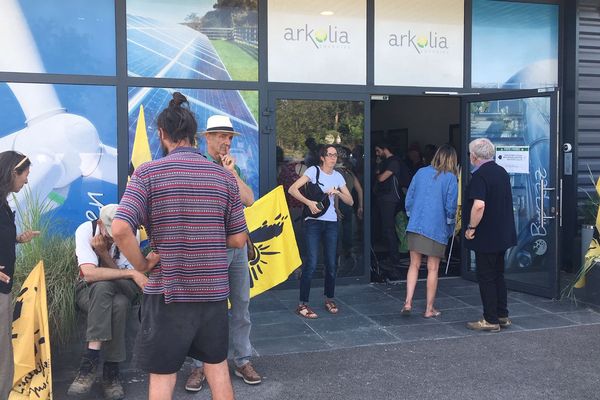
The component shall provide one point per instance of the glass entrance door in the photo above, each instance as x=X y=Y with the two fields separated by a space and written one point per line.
x=299 y=124
x=523 y=127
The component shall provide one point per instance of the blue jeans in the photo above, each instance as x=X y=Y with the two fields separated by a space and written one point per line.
x=318 y=232
x=239 y=297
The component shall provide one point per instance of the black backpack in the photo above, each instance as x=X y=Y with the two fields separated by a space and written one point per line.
x=313 y=191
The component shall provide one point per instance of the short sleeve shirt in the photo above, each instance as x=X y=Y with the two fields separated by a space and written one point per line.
x=189 y=206
x=86 y=254
x=329 y=181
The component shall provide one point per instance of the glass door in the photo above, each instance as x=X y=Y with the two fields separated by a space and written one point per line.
x=523 y=126
x=299 y=124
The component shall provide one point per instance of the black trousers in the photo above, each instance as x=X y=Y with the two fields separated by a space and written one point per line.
x=387 y=210
x=492 y=287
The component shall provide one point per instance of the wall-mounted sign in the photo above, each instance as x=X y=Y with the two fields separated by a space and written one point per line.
x=514 y=159
x=419 y=43
x=317 y=41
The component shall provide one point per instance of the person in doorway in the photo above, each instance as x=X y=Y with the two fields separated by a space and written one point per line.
x=219 y=135
x=191 y=208
x=14 y=170
x=490 y=232
x=431 y=206
x=323 y=229
x=107 y=286
x=392 y=182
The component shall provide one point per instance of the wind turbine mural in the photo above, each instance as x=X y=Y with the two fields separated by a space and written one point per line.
x=63 y=146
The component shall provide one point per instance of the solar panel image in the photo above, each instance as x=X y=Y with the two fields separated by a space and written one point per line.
x=168 y=50
x=203 y=103
x=164 y=49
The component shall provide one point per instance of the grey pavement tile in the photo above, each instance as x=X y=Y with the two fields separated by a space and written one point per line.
x=383 y=307
x=527 y=298
x=287 y=345
x=358 y=289
x=265 y=304
x=472 y=300
x=339 y=323
x=441 y=303
x=287 y=294
x=423 y=332
x=454 y=282
x=560 y=306
x=461 y=314
x=363 y=298
x=400 y=320
x=586 y=316
x=358 y=337
x=282 y=329
x=518 y=309
x=272 y=317
x=541 y=321
x=459 y=291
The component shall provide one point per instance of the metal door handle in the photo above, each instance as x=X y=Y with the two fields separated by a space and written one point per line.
x=543 y=191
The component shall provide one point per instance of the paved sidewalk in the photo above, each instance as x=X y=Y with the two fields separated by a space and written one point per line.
x=369 y=351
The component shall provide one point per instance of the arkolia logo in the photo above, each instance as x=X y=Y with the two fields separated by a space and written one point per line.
x=319 y=37
x=428 y=41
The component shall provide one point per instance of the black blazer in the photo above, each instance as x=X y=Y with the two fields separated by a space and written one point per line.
x=8 y=240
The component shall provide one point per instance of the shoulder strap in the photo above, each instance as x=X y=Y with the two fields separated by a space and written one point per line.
x=318 y=173
x=94 y=225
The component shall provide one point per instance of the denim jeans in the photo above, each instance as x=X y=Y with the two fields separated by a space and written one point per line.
x=239 y=297
x=317 y=232
x=6 y=350
x=388 y=227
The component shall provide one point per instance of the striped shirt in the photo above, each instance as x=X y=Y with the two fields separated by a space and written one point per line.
x=189 y=206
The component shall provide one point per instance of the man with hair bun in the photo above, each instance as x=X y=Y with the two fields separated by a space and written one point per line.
x=490 y=232
x=191 y=208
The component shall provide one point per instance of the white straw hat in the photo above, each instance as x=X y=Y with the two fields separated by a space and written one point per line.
x=219 y=123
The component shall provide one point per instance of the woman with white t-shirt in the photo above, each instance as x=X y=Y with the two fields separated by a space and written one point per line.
x=323 y=229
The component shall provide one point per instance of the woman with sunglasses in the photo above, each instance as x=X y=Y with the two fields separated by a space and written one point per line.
x=14 y=170
x=322 y=229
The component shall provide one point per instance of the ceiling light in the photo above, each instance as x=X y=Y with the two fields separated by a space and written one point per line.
x=327 y=13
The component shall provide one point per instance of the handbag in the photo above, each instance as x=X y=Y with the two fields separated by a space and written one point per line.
x=313 y=191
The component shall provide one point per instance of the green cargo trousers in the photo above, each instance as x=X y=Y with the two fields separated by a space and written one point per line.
x=107 y=304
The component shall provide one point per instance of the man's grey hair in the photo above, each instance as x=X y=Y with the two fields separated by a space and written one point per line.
x=483 y=149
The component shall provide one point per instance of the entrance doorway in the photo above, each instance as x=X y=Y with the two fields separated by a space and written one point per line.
x=413 y=127
x=523 y=126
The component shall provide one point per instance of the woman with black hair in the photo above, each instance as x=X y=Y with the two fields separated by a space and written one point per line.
x=14 y=170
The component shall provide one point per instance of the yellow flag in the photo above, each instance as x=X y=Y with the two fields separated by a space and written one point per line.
x=271 y=231
x=139 y=155
x=141 y=147
x=31 y=340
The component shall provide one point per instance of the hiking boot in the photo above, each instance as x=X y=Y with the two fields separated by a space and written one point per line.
x=195 y=380
x=248 y=374
x=483 y=325
x=111 y=384
x=504 y=322
x=85 y=377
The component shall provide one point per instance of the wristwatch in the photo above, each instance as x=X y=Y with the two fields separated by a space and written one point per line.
x=471 y=228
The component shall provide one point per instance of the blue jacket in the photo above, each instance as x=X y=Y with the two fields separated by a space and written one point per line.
x=431 y=204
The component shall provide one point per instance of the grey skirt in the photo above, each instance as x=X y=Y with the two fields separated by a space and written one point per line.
x=424 y=245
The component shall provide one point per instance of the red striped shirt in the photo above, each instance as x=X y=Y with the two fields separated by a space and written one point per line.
x=189 y=206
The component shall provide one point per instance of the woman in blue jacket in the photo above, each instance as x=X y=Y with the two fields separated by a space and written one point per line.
x=431 y=208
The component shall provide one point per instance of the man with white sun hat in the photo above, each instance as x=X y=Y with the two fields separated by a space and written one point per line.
x=219 y=134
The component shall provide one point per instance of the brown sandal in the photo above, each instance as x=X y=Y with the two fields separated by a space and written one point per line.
x=305 y=311
x=331 y=307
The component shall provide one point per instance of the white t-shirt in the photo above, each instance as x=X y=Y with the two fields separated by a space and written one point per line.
x=335 y=179
x=86 y=254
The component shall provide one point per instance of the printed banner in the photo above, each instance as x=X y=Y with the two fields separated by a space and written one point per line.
x=419 y=43
x=31 y=340
x=318 y=41
x=272 y=233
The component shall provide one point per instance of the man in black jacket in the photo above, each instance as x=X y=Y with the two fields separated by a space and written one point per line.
x=490 y=232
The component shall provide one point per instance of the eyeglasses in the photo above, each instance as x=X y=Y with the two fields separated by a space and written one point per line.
x=332 y=155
